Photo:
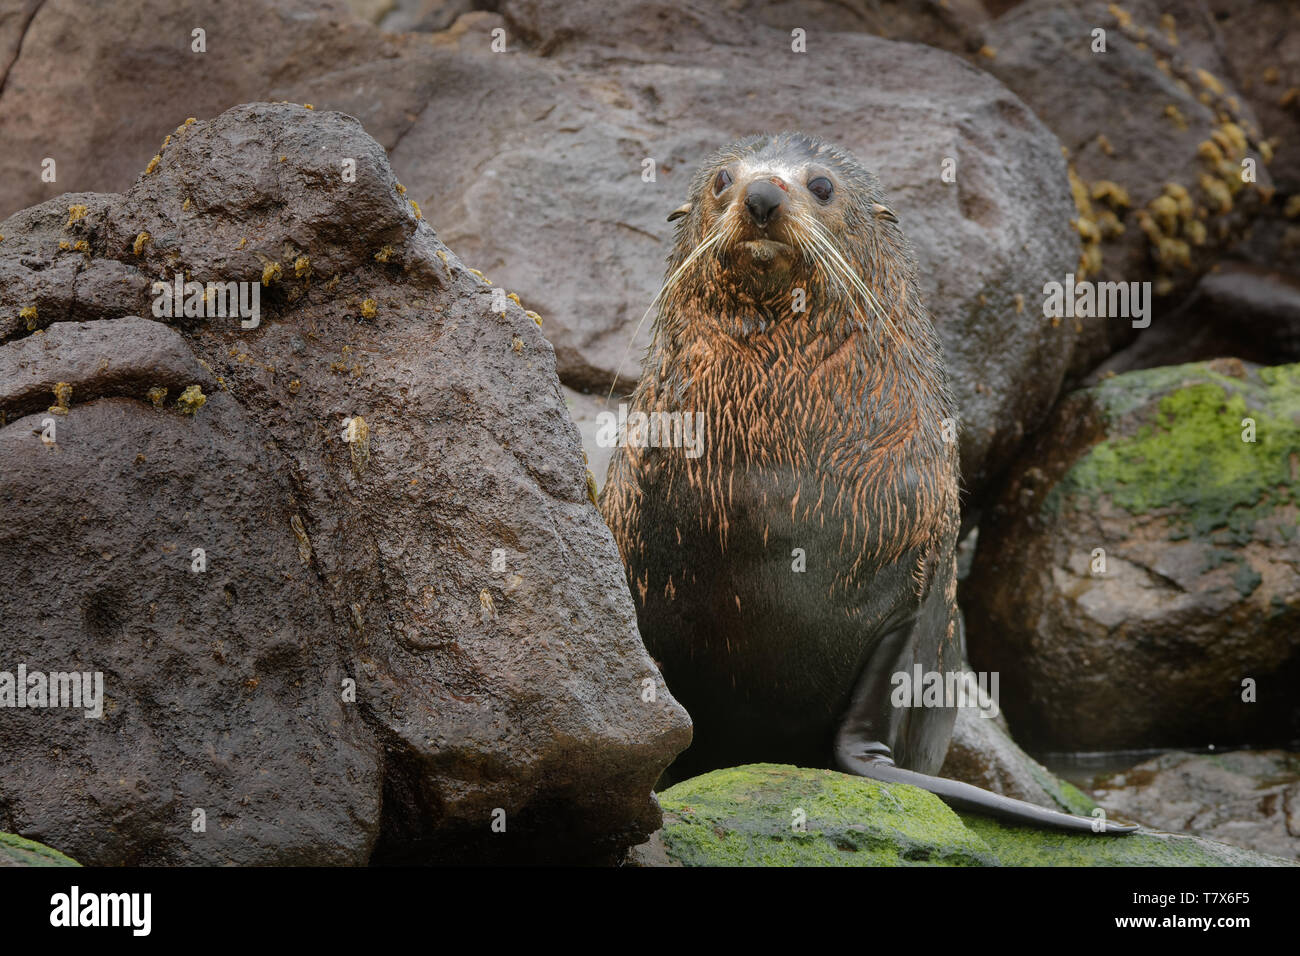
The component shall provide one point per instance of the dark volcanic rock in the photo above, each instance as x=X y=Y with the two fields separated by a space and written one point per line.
x=442 y=552
x=1136 y=583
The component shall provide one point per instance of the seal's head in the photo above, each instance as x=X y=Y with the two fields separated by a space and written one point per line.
x=774 y=208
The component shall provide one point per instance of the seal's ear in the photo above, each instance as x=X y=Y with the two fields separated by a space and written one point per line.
x=683 y=210
x=884 y=212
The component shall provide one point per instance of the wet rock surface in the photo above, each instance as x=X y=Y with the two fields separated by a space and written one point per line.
x=1248 y=799
x=341 y=466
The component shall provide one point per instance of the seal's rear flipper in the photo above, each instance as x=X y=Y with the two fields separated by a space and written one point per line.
x=866 y=760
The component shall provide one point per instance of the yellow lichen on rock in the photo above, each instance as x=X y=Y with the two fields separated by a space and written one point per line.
x=1109 y=225
x=1111 y=193
x=153 y=164
x=358 y=439
x=1210 y=152
x=1085 y=225
x=28 y=315
x=1210 y=82
x=1218 y=191
x=369 y=309
x=62 y=398
x=270 y=272
x=302 y=267
x=75 y=213
x=304 y=543
x=191 y=400
x=137 y=247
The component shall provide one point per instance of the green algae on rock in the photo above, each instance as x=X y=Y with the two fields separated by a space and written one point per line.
x=1028 y=846
x=19 y=851
x=748 y=816
x=1188 y=452
x=1135 y=583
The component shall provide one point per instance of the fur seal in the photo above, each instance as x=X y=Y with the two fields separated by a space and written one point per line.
x=801 y=552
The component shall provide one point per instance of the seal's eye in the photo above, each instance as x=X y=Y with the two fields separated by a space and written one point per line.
x=721 y=181
x=821 y=188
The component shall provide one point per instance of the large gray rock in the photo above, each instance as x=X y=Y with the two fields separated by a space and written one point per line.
x=447 y=558
x=544 y=189
x=98 y=95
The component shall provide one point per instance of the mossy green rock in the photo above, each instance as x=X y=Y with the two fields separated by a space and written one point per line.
x=1175 y=441
x=1135 y=583
x=745 y=816
x=17 y=851
x=1031 y=846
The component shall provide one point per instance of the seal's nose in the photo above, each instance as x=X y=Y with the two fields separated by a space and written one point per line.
x=763 y=199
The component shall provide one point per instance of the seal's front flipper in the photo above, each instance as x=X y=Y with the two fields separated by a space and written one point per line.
x=871 y=760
